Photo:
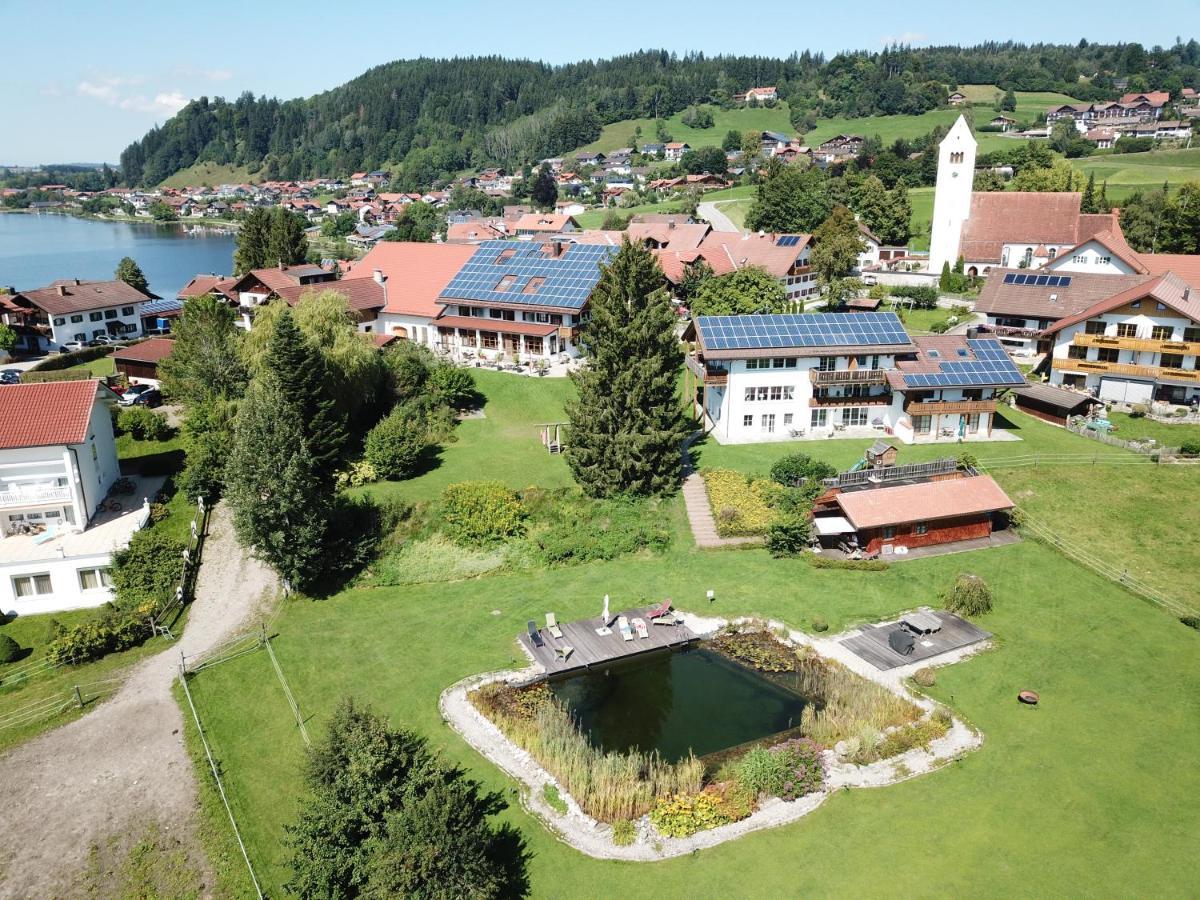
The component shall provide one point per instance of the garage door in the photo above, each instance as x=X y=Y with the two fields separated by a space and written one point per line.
x=1120 y=390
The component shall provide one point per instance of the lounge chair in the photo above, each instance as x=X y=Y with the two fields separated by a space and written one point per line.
x=626 y=631
x=671 y=620
x=659 y=611
x=534 y=635
x=564 y=652
x=552 y=626
x=639 y=625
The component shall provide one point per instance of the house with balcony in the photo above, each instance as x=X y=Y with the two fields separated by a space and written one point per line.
x=520 y=301
x=787 y=377
x=411 y=276
x=259 y=286
x=74 y=310
x=58 y=460
x=1135 y=345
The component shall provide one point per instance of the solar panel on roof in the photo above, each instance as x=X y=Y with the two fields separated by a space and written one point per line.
x=567 y=280
x=991 y=366
x=1010 y=277
x=787 y=240
x=801 y=330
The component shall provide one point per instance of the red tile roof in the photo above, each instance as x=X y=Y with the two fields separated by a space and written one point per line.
x=1186 y=267
x=1032 y=302
x=149 y=351
x=1169 y=290
x=677 y=237
x=544 y=222
x=416 y=273
x=73 y=295
x=1002 y=217
x=206 y=284
x=362 y=294
x=762 y=250
x=875 y=507
x=41 y=415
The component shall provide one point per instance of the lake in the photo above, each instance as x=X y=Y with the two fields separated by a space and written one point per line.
x=38 y=248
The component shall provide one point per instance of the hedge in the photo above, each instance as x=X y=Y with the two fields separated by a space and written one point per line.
x=74 y=358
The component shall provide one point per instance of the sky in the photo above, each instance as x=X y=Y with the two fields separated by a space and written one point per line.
x=82 y=79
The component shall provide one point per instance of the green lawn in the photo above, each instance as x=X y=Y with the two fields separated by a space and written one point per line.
x=1167 y=435
x=211 y=174
x=889 y=128
x=1129 y=172
x=98 y=368
x=621 y=134
x=921 y=200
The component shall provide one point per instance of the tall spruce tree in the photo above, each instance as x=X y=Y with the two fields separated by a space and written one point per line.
x=130 y=272
x=1087 y=203
x=253 y=242
x=280 y=494
x=287 y=244
x=300 y=371
x=545 y=188
x=626 y=426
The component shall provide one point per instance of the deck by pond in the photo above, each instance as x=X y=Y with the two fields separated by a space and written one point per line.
x=871 y=642
x=592 y=649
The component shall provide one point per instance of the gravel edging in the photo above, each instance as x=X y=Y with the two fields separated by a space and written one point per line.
x=593 y=838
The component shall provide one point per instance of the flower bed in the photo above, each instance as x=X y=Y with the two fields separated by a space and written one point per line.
x=742 y=505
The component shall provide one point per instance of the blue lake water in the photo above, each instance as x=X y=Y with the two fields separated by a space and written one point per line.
x=677 y=701
x=38 y=248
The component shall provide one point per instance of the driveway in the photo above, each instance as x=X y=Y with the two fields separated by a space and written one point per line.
x=712 y=214
x=123 y=765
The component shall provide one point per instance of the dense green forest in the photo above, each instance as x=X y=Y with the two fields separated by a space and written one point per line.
x=427 y=119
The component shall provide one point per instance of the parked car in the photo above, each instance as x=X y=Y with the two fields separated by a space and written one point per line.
x=10 y=376
x=71 y=346
x=100 y=340
x=141 y=395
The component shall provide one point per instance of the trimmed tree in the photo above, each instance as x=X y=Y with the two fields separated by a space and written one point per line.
x=129 y=272
x=205 y=363
x=626 y=426
x=748 y=290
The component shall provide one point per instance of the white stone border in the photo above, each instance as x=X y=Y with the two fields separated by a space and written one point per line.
x=594 y=838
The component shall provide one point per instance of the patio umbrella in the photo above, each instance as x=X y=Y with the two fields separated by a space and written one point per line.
x=605 y=609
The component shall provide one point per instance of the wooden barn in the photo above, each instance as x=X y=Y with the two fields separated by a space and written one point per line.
x=1050 y=403
x=139 y=362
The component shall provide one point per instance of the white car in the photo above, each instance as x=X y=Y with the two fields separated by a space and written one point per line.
x=71 y=346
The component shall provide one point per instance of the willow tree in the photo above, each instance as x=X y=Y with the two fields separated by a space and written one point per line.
x=627 y=425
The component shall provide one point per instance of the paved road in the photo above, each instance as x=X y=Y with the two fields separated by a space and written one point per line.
x=712 y=214
x=123 y=765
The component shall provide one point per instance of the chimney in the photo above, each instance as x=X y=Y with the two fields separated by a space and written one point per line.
x=378 y=276
x=1187 y=292
x=77 y=282
x=62 y=290
x=671 y=225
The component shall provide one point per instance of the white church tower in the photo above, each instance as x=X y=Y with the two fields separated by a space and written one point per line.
x=952 y=196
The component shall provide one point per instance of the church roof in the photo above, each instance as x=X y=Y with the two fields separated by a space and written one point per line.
x=1012 y=217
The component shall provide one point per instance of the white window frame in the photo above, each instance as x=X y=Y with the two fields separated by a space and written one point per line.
x=32 y=579
x=768 y=423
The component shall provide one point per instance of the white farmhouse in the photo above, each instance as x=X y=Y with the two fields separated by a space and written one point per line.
x=58 y=461
x=75 y=310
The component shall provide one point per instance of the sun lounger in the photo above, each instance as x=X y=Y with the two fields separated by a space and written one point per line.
x=534 y=635
x=564 y=652
x=626 y=631
x=552 y=626
x=667 y=620
x=662 y=609
x=639 y=625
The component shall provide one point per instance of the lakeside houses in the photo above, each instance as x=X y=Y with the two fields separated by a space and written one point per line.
x=520 y=301
x=412 y=277
x=73 y=310
x=58 y=463
x=258 y=286
x=795 y=376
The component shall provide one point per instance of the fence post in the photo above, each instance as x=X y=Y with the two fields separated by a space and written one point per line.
x=78 y=697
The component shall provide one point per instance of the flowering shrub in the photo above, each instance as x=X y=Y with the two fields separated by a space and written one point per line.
x=683 y=815
x=742 y=504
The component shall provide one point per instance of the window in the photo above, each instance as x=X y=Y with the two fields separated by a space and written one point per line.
x=1103 y=260
x=96 y=316
x=1074 y=352
x=827 y=364
x=1093 y=326
x=1127 y=329
x=752 y=364
x=855 y=416
x=921 y=528
x=1191 y=335
x=762 y=393
x=749 y=394
x=1171 y=360
x=972 y=423
x=76 y=319
x=768 y=423
x=1004 y=259
x=59 y=320
x=922 y=424
x=127 y=310
x=1053 y=252
x=488 y=340
x=1109 y=354
x=1162 y=332
x=505 y=283
x=787 y=419
x=747 y=421
x=1027 y=258
x=820 y=418
x=1078 y=258
x=110 y=314
x=32 y=585
x=889 y=532
x=91 y=579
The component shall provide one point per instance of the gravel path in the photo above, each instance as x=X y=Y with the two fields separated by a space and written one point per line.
x=699 y=511
x=124 y=764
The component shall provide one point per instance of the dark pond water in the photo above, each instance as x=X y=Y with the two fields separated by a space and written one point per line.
x=36 y=249
x=673 y=702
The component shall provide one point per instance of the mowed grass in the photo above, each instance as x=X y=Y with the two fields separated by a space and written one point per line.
x=210 y=174
x=889 y=128
x=1167 y=434
x=621 y=134
x=1126 y=173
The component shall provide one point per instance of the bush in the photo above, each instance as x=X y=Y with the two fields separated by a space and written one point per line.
x=148 y=570
x=787 y=770
x=925 y=677
x=788 y=537
x=91 y=640
x=922 y=297
x=1191 y=621
x=10 y=650
x=742 y=503
x=684 y=814
x=969 y=596
x=939 y=327
x=623 y=832
x=54 y=630
x=481 y=512
x=452 y=386
x=968 y=460
x=1190 y=448
x=1139 y=411
x=797 y=468
x=590 y=530
x=819 y=625
x=394 y=446
x=359 y=473
x=143 y=424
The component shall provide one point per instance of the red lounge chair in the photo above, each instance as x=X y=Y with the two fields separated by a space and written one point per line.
x=659 y=611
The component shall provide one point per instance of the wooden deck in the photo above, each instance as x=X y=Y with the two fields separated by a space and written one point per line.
x=871 y=642
x=593 y=649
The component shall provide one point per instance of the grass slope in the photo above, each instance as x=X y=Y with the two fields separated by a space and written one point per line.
x=1129 y=172
x=210 y=174
x=621 y=134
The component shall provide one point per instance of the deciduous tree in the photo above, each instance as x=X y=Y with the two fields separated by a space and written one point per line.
x=205 y=363
x=790 y=200
x=129 y=272
x=748 y=290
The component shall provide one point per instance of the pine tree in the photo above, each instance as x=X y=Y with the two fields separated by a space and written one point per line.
x=280 y=494
x=129 y=272
x=1009 y=103
x=1088 y=203
x=1102 y=203
x=253 y=242
x=626 y=426
x=545 y=188
x=300 y=371
x=287 y=244
x=205 y=363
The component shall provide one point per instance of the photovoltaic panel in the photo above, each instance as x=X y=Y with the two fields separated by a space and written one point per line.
x=501 y=272
x=1037 y=280
x=991 y=366
x=787 y=240
x=792 y=331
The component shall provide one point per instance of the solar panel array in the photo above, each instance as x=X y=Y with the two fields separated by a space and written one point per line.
x=991 y=366
x=1039 y=280
x=787 y=240
x=568 y=283
x=801 y=330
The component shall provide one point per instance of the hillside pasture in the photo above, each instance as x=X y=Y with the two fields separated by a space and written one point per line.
x=621 y=134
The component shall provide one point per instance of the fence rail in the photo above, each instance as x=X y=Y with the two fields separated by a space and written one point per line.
x=187 y=579
x=78 y=695
x=1147 y=448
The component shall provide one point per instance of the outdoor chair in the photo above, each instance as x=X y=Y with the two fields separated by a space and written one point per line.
x=534 y=635
x=564 y=652
x=623 y=626
x=552 y=626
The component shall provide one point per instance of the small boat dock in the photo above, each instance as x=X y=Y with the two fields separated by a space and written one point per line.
x=591 y=649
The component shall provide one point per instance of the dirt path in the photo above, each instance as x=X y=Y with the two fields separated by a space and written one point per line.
x=712 y=213
x=124 y=764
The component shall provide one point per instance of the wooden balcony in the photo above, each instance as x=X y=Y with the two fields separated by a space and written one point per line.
x=949 y=407
x=847 y=376
x=568 y=332
x=873 y=400
x=708 y=375
x=1096 y=367
x=1141 y=345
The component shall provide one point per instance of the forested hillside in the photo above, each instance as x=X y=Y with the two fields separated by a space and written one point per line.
x=427 y=119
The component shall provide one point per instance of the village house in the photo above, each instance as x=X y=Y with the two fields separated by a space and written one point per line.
x=520 y=301
x=139 y=362
x=675 y=149
x=956 y=98
x=544 y=223
x=58 y=462
x=839 y=147
x=757 y=95
x=1004 y=123
x=258 y=286
x=411 y=277
x=781 y=377
x=73 y=310
x=654 y=149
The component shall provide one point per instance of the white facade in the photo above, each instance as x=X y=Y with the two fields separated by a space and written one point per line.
x=418 y=329
x=124 y=321
x=1090 y=257
x=952 y=194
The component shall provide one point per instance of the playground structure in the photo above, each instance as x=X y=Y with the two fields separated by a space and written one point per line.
x=552 y=436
